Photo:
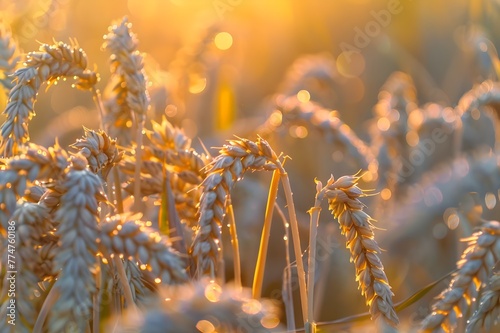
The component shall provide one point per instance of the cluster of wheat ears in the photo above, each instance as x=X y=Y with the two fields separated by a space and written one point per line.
x=89 y=257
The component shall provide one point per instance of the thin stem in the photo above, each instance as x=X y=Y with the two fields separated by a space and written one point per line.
x=264 y=240
x=122 y=275
x=118 y=190
x=287 y=275
x=296 y=242
x=321 y=286
x=163 y=220
x=138 y=163
x=48 y=303
x=235 y=244
x=313 y=233
x=97 y=300
x=96 y=96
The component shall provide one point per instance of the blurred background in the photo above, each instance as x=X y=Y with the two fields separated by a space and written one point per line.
x=216 y=66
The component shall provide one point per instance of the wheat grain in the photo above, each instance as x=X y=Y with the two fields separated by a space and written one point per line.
x=474 y=267
x=119 y=236
x=46 y=269
x=77 y=256
x=48 y=65
x=226 y=169
x=489 y=306
x=100 y=150
x=9 y=56
x=343 y=197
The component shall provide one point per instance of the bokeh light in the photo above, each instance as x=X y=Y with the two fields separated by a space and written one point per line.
x=223 y=40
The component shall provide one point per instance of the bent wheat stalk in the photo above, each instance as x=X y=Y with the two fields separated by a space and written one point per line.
x=343 y=198
x=234 y=160
x=127 y=63
x=48 y=65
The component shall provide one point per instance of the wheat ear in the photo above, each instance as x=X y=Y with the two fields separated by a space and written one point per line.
x=9 y=56
x=99 y=150
x=128 y=64
x=37 y=163
x=234 y=160
x=48 y=65
x=29 y=221
x=289 y=110
x=474 y=267
x=343 y=197
x=128 y=81
x=77 y=256
x=397 y=99
x=489 y=306
x=129 y=238
x=171 y=150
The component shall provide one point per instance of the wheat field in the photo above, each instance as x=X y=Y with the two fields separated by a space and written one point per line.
x=242 y=166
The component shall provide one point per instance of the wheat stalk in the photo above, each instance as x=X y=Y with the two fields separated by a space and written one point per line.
x=77 y=256
x=234 y=160
x=48 y=65
x=9 y=56
x=127 y=64
x=489 y=306
x=474 y=267
x=343 y=197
